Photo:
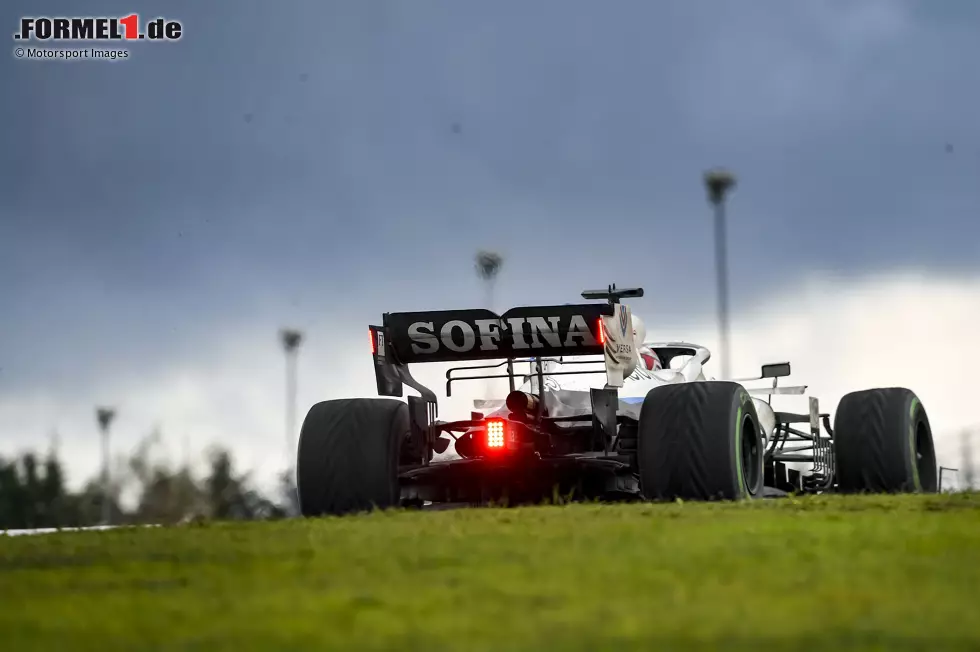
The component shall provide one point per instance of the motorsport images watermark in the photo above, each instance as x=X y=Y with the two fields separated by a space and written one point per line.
x=48 y=54
x=89 y=28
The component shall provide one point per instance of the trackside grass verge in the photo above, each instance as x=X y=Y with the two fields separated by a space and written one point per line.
x=819 y=573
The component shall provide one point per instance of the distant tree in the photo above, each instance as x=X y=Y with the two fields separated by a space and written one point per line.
x=13 y=502
x=164 y=495
x=34 y=508
x=169 y=497
x=59 y=505
x=88 y=504
x=33 y=492
x=230 y=496
x=34 y=495
x=288 y=495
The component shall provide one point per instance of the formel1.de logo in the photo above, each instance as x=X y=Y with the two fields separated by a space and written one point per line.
x=125 y=28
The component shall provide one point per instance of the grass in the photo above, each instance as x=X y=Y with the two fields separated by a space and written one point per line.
x=828 y=573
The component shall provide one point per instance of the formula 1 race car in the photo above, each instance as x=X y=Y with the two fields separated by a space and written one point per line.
x=660 y=434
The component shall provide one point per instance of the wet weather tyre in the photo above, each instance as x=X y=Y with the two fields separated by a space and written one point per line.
x=699 y=441
x=348 y=454
x=883 y=443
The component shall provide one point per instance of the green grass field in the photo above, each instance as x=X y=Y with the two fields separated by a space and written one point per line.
x=885 y=573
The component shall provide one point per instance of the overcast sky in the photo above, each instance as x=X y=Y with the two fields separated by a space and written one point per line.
x=318 y=163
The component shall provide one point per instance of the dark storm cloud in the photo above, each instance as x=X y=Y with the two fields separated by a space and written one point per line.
x=293 y=159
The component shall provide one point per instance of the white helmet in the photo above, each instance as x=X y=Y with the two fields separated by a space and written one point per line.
x=639 y=330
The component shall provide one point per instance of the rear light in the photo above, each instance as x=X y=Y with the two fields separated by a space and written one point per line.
x=602 y=333
x=377 y=335
x=495 y=434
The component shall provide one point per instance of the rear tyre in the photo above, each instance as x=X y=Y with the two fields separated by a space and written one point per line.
x=700 y=441
x=883 y=443
x=348 y=456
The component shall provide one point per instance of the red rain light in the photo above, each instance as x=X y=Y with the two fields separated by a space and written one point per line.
x=602 y=333
x=371 y=333
x=495 y=433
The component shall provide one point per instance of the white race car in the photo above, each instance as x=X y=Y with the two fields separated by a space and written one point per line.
x=599 y=413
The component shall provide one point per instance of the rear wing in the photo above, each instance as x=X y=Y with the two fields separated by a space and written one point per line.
x=464 y=335
x=527 y=332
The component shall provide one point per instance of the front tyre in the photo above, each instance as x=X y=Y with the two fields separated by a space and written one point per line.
x=700 y=441
x=883 y=443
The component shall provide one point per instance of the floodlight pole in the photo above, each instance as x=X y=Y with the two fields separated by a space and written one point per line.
x=105 y=416
x=718 y=182
x=290 y=339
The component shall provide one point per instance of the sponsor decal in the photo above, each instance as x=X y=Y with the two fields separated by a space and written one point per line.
x=639 y=373
x=485 y=335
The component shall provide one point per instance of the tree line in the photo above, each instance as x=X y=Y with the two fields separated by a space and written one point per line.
x=34 y=493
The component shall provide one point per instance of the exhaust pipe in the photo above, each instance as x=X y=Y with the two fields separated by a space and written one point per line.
x=522 y=402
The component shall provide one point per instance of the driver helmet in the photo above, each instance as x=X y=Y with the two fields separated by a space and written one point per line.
x=650 y=359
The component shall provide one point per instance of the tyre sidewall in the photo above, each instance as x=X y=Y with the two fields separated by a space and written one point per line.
x=916 y=416
x=743 y=410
